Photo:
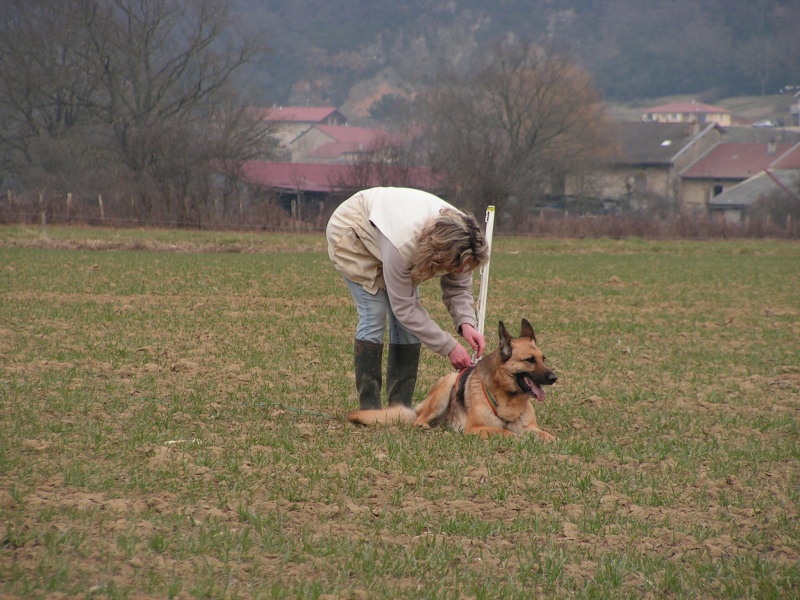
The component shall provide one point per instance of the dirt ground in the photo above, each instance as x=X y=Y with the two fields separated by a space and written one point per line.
x=149 y=454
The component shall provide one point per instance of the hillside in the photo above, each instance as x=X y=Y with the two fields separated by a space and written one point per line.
x=708 y=49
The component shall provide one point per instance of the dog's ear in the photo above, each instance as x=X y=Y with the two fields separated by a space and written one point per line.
x=527 y=331
x=505 y=342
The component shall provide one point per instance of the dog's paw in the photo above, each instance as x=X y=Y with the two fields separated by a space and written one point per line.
x=546 y=437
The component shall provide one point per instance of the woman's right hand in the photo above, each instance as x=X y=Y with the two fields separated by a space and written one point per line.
x=460 y=358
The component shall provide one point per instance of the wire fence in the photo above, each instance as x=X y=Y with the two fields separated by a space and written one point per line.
x=61 y=219
x=547 y=224
x=264 y=216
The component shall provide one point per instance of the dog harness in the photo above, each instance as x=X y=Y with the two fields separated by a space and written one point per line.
x=457 y=395
x=461 y=384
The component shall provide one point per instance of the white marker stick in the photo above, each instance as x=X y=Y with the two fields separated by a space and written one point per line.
x=484 y=289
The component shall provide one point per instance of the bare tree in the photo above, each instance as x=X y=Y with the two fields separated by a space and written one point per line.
x=759 y=58
x=389 y=161
x=782 y=205
x=166 y=72
x=140 y=91
x=514 y=125
x=46 y=92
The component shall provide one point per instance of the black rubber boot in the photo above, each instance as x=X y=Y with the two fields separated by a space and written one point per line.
x=401 y=373
x=367 y=357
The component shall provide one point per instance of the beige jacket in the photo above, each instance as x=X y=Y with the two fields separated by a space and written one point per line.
x=372 y=238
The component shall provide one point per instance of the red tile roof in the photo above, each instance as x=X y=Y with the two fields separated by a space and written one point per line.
x=788 y=160
x=293 y=176
x=317 y=177
x=735 y=161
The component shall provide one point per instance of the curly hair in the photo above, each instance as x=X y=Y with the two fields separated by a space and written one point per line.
x=449 y=242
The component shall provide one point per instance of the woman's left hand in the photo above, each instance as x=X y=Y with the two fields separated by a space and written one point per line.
x=474 y=339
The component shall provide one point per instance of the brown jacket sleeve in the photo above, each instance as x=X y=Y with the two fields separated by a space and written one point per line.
x=406 y=304
x=457 y=297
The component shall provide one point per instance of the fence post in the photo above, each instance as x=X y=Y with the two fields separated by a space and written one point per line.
x=69 y=202
x=43 y=214
x=102 y=210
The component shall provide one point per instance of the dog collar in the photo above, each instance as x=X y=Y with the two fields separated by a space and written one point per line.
x=490 y=399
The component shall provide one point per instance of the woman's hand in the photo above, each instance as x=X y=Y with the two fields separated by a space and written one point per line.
x=460 y=358
x=474 y=339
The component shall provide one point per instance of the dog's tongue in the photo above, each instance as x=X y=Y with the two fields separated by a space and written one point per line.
x=536 y=390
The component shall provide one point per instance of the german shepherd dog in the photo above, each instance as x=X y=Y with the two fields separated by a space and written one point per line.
x=490 y=398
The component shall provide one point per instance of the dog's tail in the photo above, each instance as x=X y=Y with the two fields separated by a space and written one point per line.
x=387 y=416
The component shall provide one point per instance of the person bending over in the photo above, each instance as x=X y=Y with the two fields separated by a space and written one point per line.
x=385 y=242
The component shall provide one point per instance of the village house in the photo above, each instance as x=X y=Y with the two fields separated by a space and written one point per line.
x=291 y=121
x=333 y=143
x=315 y=189
x=316 y=166
x=735 y=204
x=688 y=112
x=319 y=179
x=679 y=157
x=645 y=168
x=780 y=179
x=727 y=165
